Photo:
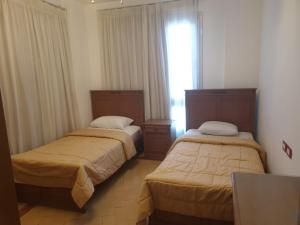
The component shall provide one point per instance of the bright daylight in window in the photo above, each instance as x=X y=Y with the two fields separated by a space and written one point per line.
x=180 y=67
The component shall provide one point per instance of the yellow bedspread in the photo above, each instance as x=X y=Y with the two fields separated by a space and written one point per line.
x=195 y=177
x=78 y=161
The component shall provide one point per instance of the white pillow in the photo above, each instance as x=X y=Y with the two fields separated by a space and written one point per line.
x=111 y=122
x=219 y=128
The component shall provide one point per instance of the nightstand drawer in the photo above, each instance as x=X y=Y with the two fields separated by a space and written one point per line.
x=158 y=144
x=157 y=130
x=158 y=138
x=157 y=135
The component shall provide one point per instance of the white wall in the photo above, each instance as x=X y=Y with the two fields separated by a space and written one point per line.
x=231 y=41
x=213 y=43
x=242 y=42
x=279 y=106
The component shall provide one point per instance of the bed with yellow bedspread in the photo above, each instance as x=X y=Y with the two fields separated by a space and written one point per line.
x=78 y=161
x=195 y=178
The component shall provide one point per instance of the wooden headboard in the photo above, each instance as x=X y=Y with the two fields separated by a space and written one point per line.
x=237 y=106
x=119 y=103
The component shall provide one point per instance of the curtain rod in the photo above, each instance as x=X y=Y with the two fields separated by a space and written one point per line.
x=132 y=6
x=52 y=4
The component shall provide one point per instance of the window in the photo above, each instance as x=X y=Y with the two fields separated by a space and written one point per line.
x=181 y=47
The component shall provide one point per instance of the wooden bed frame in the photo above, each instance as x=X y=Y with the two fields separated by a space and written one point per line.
x=236 y=106
x=121 y=103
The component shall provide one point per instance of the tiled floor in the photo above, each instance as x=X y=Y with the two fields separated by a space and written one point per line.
x=114 y=203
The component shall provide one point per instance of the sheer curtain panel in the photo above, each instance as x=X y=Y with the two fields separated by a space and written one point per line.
x=183 y=29
x=35 y=73
x=156 y=48
x=133 y=56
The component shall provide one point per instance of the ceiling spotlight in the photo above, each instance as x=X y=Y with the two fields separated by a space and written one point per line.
x=93 y=1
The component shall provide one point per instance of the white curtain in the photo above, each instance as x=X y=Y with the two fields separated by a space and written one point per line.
x=183 y=29
x=136 y=52
x=35 y=73
x=132 y=56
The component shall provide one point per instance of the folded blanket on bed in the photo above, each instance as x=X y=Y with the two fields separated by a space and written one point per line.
x=195 y=177
x=81 y=160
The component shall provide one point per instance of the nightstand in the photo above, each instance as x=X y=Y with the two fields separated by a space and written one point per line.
x=158 y=138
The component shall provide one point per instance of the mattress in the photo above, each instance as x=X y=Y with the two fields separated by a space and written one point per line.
x=79 y=161
x=195 y=177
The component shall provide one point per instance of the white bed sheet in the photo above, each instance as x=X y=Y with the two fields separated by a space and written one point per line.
x=134 y=131
x=243 y=135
